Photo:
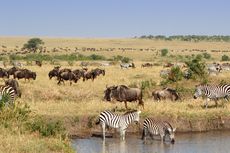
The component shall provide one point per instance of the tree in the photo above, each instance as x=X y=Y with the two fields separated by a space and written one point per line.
x=33 y=44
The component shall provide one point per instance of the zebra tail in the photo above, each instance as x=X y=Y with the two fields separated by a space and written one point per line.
x=98 y=122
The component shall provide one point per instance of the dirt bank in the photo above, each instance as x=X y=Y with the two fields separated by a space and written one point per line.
x=87 y=127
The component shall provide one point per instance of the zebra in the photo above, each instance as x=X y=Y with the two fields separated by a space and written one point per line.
x=162 y=128
x=108 y=118
x=127 y=65
x=7 y=92
x=212 y=92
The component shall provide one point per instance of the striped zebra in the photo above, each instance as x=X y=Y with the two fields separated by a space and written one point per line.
x=154 y=128
x=212 y=92
x=108 y=118
x=8 y=94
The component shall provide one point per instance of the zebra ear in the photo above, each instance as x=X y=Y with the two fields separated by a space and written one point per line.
x=169 y=129
x=174 y=129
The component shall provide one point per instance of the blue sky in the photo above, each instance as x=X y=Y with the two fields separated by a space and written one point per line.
x=113 y=18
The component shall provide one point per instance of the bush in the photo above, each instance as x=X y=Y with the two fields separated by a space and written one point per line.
x=175 y=74
x=164 y=52
x=206 y=55
x=46 y=128
x=122 y=59
x=197 y=68
x=225 y=58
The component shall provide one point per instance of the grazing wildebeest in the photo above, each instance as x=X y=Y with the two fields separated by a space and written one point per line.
x=67 y=76
x=99 y=71
x=3 y=73
x=12 y=70
x=127 y=65
x=147 y=65
x=38 y=63
x=26 y=74
x=54 y=72
x=90 y=75
x=166 y=93
x=123 y=93
x=80 y=72
x=14 y=83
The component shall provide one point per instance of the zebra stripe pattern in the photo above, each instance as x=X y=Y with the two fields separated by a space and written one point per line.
x=212 y=92
x=153 y=128
x=9 y=92
x=113 y=120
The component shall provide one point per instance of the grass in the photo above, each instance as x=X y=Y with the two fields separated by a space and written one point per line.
x=77 y=106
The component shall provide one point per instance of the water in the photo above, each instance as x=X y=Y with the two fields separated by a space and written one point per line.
x=207 y=142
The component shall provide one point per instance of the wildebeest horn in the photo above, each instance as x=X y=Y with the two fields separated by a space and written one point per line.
x=106 y=86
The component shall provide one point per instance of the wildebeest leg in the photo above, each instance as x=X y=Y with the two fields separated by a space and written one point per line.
x=70 y=83
x=126 y=105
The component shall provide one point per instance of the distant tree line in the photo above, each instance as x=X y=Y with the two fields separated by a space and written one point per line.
x=194 y=38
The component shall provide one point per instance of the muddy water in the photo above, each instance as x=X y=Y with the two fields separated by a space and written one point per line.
x=207 y=142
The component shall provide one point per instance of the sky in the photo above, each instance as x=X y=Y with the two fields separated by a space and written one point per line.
x=113 y=18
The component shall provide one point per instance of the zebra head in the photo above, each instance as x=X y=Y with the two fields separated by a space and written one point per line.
x=137 y=116
x=133 y=115
x=171 y=135
x=198 y=91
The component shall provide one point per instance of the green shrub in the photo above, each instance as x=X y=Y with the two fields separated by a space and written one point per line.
x=122 y=59
x=46 y=128
x=175 y=74
x=225 y=58
x=96 y=57
x=197 y=68
x=33 y=44
x=164 y=52
x=206 y=55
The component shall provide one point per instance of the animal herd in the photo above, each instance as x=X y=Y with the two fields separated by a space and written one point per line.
x=66 y=74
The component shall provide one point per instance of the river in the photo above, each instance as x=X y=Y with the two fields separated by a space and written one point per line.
x=205 y=142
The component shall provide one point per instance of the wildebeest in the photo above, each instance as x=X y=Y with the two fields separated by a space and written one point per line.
x=123 y=93
x=99 y=71
x=147 y=65
x=3 y=73
x=67 y=76
x=80 y=72
x=127 y=65
x=14 y=83
x=54 y=72
x=26 y=74
x=12 y=70
x=168 y=65
x=90 y=75
x=166 y=93
x=38 y=63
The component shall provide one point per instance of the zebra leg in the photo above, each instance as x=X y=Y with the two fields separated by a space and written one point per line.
x=103 y=130
x=144 y=133
x=206 y=103
x=216 y=102
x=122 y=134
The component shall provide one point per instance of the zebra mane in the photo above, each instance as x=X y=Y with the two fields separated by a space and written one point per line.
x=128 y=112
x=169 y=124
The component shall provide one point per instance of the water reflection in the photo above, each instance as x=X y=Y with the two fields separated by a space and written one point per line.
x=215 y=142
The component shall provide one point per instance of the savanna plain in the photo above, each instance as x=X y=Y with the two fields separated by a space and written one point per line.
x=48 y=115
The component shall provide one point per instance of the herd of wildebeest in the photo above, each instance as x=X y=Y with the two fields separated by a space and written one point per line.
x=121 y=93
